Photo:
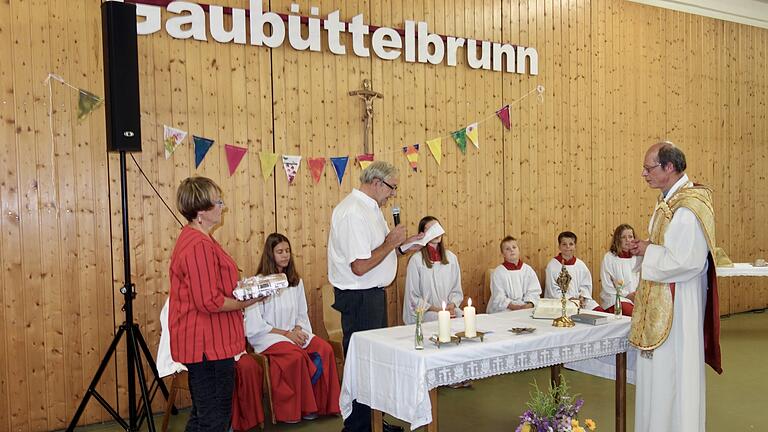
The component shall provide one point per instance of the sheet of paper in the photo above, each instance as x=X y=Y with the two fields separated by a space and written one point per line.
x=433 y=231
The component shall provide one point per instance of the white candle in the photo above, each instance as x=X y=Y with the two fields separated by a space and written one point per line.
x=470 y=329
x=444 y=325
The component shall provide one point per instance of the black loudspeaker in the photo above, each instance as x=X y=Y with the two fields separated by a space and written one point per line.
x=121 y=76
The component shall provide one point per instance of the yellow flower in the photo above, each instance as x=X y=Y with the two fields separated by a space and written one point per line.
x=590 y=424
x=574 y=423
x=578 y=429
x=526 y=428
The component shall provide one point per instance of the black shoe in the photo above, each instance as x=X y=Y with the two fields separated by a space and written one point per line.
x=392 y=428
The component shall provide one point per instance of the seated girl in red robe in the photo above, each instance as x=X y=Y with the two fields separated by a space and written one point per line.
x=303 y=374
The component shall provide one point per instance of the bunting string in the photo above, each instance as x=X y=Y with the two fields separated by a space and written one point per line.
x=87 y=102
x=539 y=90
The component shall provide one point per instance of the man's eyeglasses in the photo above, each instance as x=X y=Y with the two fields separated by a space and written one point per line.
x=648 y=169
x=394 y=188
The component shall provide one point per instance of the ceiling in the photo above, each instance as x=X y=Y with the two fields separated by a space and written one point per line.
x=751 y=12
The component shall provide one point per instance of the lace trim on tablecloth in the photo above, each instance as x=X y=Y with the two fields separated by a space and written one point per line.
x=526 y=360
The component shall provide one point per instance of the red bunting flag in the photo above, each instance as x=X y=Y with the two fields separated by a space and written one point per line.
x=234 y=156
x=316 y=166
x=504 y=116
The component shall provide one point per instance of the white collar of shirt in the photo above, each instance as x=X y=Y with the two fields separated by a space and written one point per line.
x=678 y=184
x=365 y=198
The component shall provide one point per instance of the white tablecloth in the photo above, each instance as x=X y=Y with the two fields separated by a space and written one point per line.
x=742 y=269
x=384 y=371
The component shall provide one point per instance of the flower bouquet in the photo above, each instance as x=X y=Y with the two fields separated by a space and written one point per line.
x=553 y=411
x=419 y=311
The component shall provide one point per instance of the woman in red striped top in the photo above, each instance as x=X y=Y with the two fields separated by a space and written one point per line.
x=205 y=321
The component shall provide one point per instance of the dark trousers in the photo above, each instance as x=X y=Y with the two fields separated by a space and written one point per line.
x=360 y=310
x=211 y=383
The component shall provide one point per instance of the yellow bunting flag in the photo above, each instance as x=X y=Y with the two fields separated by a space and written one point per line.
x=436 y=147
x=473 y=135
x=365 y=160
x=268 y=161
x=412 y=154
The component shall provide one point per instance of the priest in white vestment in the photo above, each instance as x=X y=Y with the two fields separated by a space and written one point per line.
x=669 y=312
x=433 y=277
x=514 y=284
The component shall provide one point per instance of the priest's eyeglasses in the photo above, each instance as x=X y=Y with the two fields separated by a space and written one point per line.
x=648 y=169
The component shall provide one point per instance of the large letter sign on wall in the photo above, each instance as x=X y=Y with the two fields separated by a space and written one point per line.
x=188 y=20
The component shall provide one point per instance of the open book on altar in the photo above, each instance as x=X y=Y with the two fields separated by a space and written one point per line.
x=548 y=308
x=433 y=231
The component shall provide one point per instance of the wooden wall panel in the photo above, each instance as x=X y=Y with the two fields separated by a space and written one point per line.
x=618 y=76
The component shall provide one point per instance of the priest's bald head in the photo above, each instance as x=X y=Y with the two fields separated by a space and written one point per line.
x=663 y=165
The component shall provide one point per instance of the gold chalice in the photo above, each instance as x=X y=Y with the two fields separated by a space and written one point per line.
x=563 y=281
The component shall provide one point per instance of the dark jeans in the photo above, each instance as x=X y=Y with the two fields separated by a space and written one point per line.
x=360 y=310
x=211 y=383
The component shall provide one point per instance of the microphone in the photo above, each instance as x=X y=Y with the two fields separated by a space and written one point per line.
x=396 y=215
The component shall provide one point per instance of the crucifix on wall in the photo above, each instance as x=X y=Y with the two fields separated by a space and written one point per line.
x=368 y=96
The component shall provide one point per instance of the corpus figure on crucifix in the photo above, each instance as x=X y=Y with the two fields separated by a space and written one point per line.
x=368 y=96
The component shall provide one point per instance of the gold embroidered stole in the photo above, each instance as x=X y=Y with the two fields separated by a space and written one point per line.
x=653 y=311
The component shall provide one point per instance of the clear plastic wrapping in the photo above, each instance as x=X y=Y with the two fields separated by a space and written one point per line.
x=260 y=286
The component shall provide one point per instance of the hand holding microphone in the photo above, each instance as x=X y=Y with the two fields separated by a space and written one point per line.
x=399 y=233
x=396 y=215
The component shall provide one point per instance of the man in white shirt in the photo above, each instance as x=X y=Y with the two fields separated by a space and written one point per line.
x=362 y=261
x=676 y=299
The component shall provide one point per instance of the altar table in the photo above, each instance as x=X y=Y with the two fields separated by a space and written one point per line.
x=384 y=371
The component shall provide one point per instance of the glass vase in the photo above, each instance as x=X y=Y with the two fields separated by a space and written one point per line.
x=617 y=307
x=418 y=339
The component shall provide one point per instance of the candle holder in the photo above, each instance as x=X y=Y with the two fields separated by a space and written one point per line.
x=563 y=281
x=436 y=340
x=479 y=335
x=418 y=339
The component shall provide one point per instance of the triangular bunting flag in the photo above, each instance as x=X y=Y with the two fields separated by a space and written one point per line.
x=340 y=165
x=268 y=161
x=460 y=136
x=234 y=156
x=202 y=145
x=412 y=154
x=172 y=138
x=436 y=147
x=316 y=166
x=473 y=135
x=86 y=103
x=504 y=116
x=365 y=159
x=291 y=165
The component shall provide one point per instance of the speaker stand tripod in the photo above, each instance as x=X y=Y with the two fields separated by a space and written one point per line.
x=136 y=346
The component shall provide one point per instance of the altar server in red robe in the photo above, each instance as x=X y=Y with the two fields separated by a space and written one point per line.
x=305 y=383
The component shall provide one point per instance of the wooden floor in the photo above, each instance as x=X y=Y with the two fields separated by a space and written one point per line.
x=735 y=400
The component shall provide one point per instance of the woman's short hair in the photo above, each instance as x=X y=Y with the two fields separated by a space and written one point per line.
x=268 y=266
x=616 y=242
x=196 y=194
x=378 y=170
